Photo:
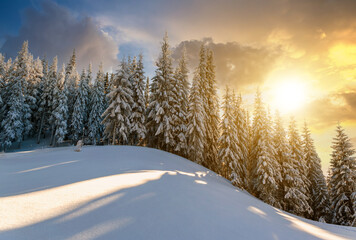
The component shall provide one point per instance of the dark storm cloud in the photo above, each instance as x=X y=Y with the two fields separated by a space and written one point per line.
x=56 y=31
x=236 y=65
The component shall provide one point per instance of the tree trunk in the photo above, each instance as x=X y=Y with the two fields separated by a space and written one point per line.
x=114 y=135
x=40 y=129
x=52 y=136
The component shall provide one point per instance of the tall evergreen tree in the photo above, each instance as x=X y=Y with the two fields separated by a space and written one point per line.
x=23 y=73
x=46 y=105
x=12 y=124
x=53 y=87
x=6 y=71
x=60 y=108
x=97 y=104
x=80 y=108
x=291 y=192
x=112 y=82
x=147 y=92
x=282 y=155
x=87 y=106
x=196 y=126
x=117 y=115
x=228 y=149
x=72 y=80
x=2 y=69
x=162 y=100
x=106 y=84
x=343 y=179
x=212 y=114
x=3 y=81
x=239 y=165
x=42 y=100
x=36 y=92
x=138 y=117
x=2 y=76
x=181 y=107
x=264 y=168
x=300 y=166
x=319 y=197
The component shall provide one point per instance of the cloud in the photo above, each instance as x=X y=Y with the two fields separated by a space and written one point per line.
x=331 y=109
x=353 y=142
x=303 y=30
x=54 y=30
x=237 y=66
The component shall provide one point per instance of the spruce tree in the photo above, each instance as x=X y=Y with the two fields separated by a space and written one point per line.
x=7 y=70
x=87 y=105
x=46 y=105
x=181 y=107
x=239 y=165
x=147 y=93
x=23 y=74
x=52 y=85
x=117 y=115
x=296 y=148
x=2 y=70
x=80 y=107
x=107 y=84
x=343 y=179
x=97 y=104
x=60 y=111
x=71 y=79
x=137 y=117
x=196 y=126
x=203 y=91
x=264 y=168
x=212 y=114
x=282 y=155
x=44 y=100
x=228 y=149
x=319 y=196
x=32 y=90
x=291 y=192
x=3 y=74
x=12 y=124
x=162 y=99
x=112 y=81
x=37 y=73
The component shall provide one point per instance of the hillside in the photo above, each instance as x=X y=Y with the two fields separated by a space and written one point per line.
x=121 y=192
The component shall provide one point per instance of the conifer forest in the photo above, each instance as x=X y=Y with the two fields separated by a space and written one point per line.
x=180 y=112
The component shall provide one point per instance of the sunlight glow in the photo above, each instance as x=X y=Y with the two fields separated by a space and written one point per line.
x=257 y=211
x=16 y=210
x=200 y=182
x=289 y=95
x=343 y=54
x=99 y=230
x=309 y=228
x=47 y=166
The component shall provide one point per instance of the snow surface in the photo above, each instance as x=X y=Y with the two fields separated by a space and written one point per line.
x=121 y=192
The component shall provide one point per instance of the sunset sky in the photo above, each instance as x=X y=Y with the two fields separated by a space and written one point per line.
x=301 y=54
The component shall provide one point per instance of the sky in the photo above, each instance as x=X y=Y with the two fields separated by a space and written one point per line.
x=300 y=54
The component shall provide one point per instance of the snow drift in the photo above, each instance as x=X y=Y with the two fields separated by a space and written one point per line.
x=121 y=192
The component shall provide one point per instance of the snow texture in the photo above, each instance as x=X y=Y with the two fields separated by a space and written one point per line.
x=121 y=192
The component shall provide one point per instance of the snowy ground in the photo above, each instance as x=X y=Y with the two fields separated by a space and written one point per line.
x=118 y=192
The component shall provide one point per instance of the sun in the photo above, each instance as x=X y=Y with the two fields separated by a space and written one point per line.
x=289 y=95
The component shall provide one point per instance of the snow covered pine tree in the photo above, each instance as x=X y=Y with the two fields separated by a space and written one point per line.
x=343 y=179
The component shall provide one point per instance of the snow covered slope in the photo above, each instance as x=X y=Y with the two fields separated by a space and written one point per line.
x=120 y=192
